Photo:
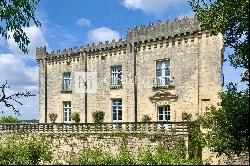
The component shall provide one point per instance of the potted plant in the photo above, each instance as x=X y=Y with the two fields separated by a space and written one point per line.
x=76 y=117
x=52 y=117
x=98 y=116
x=146 y=118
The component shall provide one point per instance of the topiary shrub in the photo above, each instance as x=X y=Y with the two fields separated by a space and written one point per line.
x=9 y=119
x=98 y=116
x=76 y=117
x=146 y=118
x=52 y=117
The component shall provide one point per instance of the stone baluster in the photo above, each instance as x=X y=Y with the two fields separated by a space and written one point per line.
x=126 y=127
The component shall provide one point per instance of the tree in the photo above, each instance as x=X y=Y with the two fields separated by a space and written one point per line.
x=229 y=133
x=8 y=99
x=9 y=119
x=228 y=125
x=14 y=15
x=230 y=18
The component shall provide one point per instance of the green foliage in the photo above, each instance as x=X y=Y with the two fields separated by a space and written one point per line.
x=30 y=152
x=52 y=117
x=95 y=157
x=9 y=119
x=14 y=16
x=146 y=118
x=228 y=126
x=76 y=117
x=231 y=18
x=146 y=157
x=98 y=116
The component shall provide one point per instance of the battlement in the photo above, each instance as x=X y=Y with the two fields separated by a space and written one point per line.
x=142 y=34
x=40 y=53
x=164 y=30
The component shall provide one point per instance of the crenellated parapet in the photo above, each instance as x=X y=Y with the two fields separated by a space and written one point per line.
x=169 y=29
x=41 y=53
x=170 y=32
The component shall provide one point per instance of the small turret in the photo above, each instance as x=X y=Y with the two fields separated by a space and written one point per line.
x=40 y=53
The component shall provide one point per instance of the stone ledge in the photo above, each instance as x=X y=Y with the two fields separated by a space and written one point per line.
x=66 y=91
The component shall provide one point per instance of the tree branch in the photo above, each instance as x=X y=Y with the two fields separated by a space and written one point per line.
x=5 y=99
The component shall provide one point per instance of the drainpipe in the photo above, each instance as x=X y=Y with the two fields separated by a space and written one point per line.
x=85 y=94
x=134 y=47
x=46 y=90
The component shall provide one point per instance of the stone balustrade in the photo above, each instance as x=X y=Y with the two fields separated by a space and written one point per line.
x=176 y=128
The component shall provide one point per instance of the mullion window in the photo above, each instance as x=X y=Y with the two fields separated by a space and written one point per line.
x=67 y=81
x=67 y=111
x=164 y=113
x=163 y=72
x=117 y=110
x=116 y=75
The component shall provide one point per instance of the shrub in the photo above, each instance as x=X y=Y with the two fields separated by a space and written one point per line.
x=9 y=119
x=95 y=157
x=146 y=118
x=98 y=116
x=53 y=117
x=160 y=156
x=76 y=117
x=28 y=152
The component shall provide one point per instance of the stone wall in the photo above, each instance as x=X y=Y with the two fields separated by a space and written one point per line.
x=67 y=146
x=195 y=61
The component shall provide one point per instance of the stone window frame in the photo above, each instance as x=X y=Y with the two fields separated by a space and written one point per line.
x=165 y=112
x=168 y=113
x=63 y=83
x=70 y=111
x=115 y=86
x=117 y=109
x=170 y=75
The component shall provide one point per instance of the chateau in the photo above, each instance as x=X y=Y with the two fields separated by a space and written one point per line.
x=161 y=70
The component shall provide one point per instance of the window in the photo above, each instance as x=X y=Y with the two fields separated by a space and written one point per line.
x=67 y=111
x=116 y=76
x=163 y=72
x=117 y=110
x=67 y=81
x=164 y=113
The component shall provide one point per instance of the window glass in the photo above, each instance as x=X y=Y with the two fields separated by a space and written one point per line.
x=164 y=113
x=117 y=110
x=163 y=72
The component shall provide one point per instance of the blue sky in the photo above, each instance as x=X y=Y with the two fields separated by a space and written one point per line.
x=67 y=24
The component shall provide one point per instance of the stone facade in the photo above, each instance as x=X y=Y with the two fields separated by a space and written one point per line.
x=195 y=55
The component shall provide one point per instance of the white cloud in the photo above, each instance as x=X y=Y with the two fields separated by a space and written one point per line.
x=102 y=34
x=2 y=41
x=21 y=77
x=83 y=22
x=17 y=72
x=156 y=7
x=36 y=38
x=21 y=73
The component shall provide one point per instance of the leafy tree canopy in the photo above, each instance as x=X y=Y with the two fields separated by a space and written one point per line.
x=231 y=18
x=14 y=15
x=228 y=125
x=9 y=119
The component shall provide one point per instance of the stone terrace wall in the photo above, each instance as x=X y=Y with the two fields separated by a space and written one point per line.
x=67 y=146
